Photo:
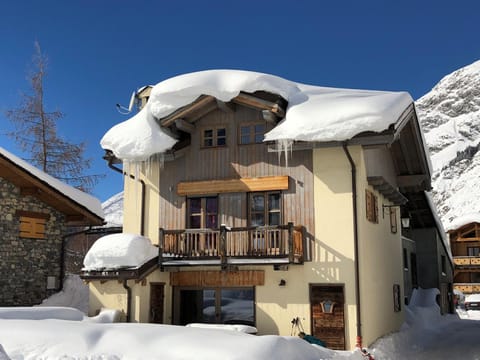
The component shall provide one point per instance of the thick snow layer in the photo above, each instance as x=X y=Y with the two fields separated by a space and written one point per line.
x=41 y=313
x=313 y=114
x=89 y=202
x=232 y=327
x=113 y=210
x=425 y=335
x=117 y=251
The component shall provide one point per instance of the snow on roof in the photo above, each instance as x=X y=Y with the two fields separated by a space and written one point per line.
x=313 y=114
x=117 y=251
x=113 y=209
x=90 y=202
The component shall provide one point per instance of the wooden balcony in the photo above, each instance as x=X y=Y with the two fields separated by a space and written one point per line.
x=224 y=246
x=466 y=261
x=467 y=288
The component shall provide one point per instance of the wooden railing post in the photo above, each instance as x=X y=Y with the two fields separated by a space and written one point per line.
x=290 y=243
x=161 y=242
x=223 y=246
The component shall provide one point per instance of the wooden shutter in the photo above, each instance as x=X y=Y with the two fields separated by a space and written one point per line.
x=371 y=206
x=31 y=227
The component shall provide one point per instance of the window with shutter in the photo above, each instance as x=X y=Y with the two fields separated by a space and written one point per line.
x=31 y=227
x=372 y=206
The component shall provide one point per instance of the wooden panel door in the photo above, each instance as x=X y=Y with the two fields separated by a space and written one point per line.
x=327 y=312
x=156 y=302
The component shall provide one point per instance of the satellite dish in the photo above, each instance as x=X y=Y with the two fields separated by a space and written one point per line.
x=125 y=111
x=132 y=101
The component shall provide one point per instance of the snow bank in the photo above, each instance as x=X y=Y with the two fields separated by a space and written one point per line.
x=119 y=251
x=41 y=313
x=241 y=328
x=74 y=294
x=313 y=113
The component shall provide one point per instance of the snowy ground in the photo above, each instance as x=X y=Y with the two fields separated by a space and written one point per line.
x=425 y=335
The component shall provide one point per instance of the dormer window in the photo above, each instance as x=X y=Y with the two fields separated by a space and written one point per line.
x=252 y=134
x=214 y=137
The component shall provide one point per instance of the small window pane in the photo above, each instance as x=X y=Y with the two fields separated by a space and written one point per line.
x=208 y=133
x=258 y=219
x=211 y=205
x=221 y=132
x=258 y=138
x=237 y=306
x=221 y=141
x=259 y=129
x=274 y=218
x=245 y=130
x=274 y=202
x=212 y=221
x=195 y=222
x=208 y=142
x=258 y=203
x=245 y=139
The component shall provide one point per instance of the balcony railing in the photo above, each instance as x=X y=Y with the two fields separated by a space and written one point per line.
x=243 y=243
x=466 y=260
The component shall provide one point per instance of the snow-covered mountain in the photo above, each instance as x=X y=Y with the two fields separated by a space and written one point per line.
x=450 y=118
x=113 y=210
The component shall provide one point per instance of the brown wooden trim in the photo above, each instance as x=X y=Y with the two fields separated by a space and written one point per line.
x=32 y=214
x=257 y=103
x=266 y=183
x=218 y=278
x=186 y=110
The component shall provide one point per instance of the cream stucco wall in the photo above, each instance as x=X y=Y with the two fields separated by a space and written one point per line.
x=333 y=260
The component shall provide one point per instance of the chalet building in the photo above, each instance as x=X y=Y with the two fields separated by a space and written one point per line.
x=36 y=212
x=263 y=218
x=465 y=245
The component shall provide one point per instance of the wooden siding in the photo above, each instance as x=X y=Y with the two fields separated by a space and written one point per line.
x=218 y=278
x=236 y=162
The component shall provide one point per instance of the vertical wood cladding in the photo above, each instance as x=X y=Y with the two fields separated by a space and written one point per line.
x=235 y=161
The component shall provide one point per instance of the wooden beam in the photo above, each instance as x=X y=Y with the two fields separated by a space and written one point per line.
x=257 y=103
x=184 y=111
x=267 y=183
x=184 y=126
x=32 y=191
x=218 y=278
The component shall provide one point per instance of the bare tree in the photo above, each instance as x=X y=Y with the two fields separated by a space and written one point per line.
x=36 y=133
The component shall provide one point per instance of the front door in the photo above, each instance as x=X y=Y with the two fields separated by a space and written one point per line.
x=327 y=312
x=156 y=303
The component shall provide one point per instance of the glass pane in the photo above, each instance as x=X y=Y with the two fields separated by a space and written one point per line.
x=221 y=132
x=221 y=141
x=245 y=130
x=257 y=203
x=211 y=205
x=274 y=202
x=258 y=138
x=208 y=142
x=212 y=221
x=257 y=219
x=208 y=134
x=195 y=222
x=274 y=218
x=195 y=206
x=237 y=306
x=209 y=313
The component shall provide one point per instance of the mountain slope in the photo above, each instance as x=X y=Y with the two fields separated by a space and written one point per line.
x=450 y=118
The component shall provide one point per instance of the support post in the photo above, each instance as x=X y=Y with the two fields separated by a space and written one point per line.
x=161 y=242
x=290 y=243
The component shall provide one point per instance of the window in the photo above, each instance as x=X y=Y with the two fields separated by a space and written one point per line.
x=215 y=306
x=251 y=134
x=372 y=206
x=203 y=212
x=265 y=209
x=214 y=137
x=32 y=224
x=405 y=259
x=473 y=251
x=393 y=220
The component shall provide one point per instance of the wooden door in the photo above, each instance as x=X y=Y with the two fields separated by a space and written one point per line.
x=156 y=302
x=327 y=312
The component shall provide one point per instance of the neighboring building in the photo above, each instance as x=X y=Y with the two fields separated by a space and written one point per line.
x=273 y=204
x=465 y=245
x=36 y=211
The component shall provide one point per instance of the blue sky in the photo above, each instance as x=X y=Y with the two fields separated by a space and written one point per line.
x=101 y=51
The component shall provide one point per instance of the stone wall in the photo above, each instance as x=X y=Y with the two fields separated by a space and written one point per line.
x=25 y=264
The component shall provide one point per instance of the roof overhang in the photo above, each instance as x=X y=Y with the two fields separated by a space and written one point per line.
x=75 y=213
x=137 y=273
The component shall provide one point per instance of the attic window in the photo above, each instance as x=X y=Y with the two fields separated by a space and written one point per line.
x=372 y=206
x=32 y=225
x=214 y=137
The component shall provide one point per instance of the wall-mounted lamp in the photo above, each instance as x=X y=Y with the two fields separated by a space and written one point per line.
x=282 y=282
x=405 y=222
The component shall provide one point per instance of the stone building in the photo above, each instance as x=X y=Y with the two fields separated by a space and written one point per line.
x=36 y=212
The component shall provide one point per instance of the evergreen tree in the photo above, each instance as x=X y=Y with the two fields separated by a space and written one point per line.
x=36 y=133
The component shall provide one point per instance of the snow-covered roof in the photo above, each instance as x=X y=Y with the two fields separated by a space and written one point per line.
x=119 y=251
x=313 y=114
x=87 y=201
x=113 y=209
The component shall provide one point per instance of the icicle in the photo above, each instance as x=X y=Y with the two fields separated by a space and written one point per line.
x=284 y=146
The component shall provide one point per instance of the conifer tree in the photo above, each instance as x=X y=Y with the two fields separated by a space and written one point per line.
x=36 y=133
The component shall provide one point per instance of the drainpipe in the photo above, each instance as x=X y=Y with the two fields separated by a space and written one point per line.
x=129 y=298
x=142 y=211
x=355 y=243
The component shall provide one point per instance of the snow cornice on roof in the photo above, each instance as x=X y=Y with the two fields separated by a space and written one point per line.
x=78 y=202
x=314 y=114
